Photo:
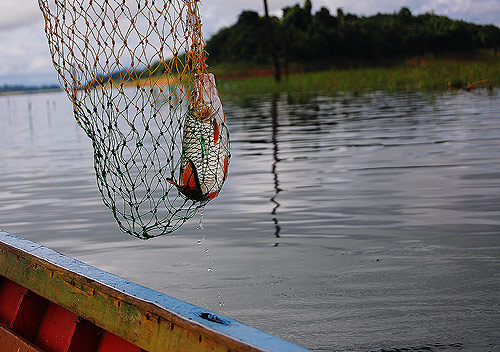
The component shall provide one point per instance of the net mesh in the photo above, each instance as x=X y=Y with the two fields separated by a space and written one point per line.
x=135 y=73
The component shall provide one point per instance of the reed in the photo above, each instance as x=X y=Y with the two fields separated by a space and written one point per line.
x=418 y=74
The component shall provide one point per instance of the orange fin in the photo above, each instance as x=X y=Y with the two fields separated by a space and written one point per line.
x=216 y=131
x=191 y=187
x=190 y=176
x=225 y=167
x=169 y=180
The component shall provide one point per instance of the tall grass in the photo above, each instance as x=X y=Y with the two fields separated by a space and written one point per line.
x=424 y=74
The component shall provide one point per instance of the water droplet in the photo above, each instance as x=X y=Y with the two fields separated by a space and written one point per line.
x=199 y=242
x=200 y=224
x=210 y=270
x=221 y=302
x=206 y=250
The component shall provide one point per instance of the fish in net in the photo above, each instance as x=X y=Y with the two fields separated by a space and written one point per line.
x=135 y=73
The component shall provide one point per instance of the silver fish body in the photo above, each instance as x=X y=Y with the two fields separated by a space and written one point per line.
x=205 y=144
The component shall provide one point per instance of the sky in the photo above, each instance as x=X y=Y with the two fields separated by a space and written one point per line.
x=25 y=58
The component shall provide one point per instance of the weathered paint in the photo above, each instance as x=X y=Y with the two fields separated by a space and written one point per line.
x=146 y=318
x=11 y=296
x=56 y=329
x=10 y=341
x=31 y=319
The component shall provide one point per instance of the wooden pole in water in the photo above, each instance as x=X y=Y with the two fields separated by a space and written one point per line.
x=272 y=51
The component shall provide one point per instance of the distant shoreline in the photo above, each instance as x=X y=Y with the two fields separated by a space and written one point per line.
x=27 y=90
x=421 y=73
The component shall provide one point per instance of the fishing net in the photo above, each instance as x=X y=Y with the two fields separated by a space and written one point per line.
x=135 y=73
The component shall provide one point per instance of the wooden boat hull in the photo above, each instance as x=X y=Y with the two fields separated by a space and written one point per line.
x=53 y=303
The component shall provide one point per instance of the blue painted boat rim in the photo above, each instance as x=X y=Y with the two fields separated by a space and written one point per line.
x=208 y=319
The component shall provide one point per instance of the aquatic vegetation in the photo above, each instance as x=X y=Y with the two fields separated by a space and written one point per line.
x=421 y=74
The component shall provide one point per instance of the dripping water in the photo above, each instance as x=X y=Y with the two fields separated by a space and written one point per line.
x=207 y=252
x=200 y=224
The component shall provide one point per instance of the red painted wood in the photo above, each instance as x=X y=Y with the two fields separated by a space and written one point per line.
x=86 y=337
x=29 y=315
x=9 y=341
x=113 y=343
x=56 y=329
x=11 y=295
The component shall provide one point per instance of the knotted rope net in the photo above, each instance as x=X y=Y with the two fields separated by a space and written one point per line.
x=135 y=73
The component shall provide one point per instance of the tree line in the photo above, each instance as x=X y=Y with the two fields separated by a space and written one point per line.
x=6 y=88
x=312 y=38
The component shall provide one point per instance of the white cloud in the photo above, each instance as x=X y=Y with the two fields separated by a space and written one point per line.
x=219 y=13
x=18 y=13
x=24 y=53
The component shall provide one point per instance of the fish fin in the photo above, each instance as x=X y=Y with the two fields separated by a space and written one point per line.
x=216 y=131
x=225 y=167
x=169 y=180
x=190 y=177
x=191 y=187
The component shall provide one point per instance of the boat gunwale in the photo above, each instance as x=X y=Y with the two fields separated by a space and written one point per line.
x=161 y=313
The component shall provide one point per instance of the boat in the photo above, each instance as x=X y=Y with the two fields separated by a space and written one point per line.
x=53 y=303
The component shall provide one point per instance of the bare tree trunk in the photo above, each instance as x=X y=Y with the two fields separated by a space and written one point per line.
x=272 y=51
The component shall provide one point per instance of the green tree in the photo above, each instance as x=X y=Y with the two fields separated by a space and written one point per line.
x=311 y=38
x=489 y=37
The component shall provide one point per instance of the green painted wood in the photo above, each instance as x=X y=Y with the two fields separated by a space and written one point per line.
x=144 y=317
x=142 y=323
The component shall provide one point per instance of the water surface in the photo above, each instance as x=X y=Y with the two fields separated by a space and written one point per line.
x=360 y=223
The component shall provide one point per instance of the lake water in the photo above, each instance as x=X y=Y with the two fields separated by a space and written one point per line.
x=350 y=223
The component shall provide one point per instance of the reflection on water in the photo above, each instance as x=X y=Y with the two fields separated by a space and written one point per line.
x=274 y=140
x=386 y=206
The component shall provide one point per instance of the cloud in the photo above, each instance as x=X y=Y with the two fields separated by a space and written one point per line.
x=18 y=13
x=25 y=54
x=222 y=13
x=25 y=58
x=478 y=11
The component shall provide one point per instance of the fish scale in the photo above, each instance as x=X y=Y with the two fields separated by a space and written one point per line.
x=205 y=144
